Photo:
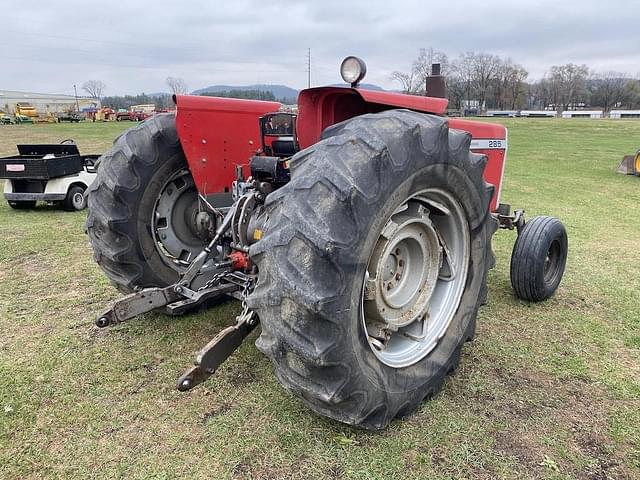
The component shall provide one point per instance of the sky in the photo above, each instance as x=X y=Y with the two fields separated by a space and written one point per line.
x=133 y=46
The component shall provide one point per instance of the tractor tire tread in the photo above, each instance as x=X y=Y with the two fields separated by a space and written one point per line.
x=122 y=175
x=528 y=255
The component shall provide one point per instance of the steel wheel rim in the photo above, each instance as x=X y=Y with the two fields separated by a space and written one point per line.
x=434 y=273
x=77 y=200
x=173 y=221
x=552 y=262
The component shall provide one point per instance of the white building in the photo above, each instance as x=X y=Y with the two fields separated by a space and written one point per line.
x=502 y=113
x=538 y=113
x=582 y=114
x=624 y=114
x=45 y=102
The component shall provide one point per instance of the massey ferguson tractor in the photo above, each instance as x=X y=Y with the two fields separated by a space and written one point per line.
x=357 y=233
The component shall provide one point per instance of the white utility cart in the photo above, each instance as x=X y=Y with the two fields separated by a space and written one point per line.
x=53 y=173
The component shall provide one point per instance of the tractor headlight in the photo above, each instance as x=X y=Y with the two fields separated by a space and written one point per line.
x=353 y=70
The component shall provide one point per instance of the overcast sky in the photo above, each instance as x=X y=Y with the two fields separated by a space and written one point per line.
x=47 y=46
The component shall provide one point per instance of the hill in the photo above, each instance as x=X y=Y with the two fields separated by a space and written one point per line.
x=279 y=91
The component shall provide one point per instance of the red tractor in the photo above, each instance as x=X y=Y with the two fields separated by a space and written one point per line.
x=357 y=233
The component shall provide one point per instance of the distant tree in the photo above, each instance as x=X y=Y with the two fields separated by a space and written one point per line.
x=568 y=85
x=415 y=82
x=462 y=70
x=456 y=89
x=632 y=94
x=407 y=81
x=510 y=84
x=245 y=94
x=608 y=89
x=177 y=85
x=484 y=68
x=95 y=88
x=421 y=67
x=539 y=95
x=125 y=101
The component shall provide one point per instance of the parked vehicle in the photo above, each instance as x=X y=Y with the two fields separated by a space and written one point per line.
x=56 y=174
x=104 y=114
x=122 y=114
x=70 y=116
x=26 y=110
x=357 y=233
x=139 y=113
x=22 y=119
x=630 y=164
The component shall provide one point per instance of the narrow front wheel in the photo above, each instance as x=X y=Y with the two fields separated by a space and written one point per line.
x=539 y=258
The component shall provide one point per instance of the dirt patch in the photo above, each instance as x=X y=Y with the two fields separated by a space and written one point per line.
x=217 y=410
x=573 y=412
x=243 y=375
x=595 y=446
x=521 y=448
x=256 y=467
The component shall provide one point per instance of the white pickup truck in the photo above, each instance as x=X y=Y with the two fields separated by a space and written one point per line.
x=53 y=173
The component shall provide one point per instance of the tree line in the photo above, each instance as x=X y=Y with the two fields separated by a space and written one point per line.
x=161 y=101
x=249 y=95
x=477 y=80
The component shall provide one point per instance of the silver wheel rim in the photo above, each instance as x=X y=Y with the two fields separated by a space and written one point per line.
x=77 y=200
x=174 y=222
x=415 y=278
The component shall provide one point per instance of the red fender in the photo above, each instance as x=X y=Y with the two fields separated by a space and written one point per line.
x=216 y=135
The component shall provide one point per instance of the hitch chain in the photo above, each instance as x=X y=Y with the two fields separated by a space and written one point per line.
x=246 y=315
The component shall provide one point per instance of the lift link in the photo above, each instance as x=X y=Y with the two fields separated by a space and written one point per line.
x=151 y=298
x=137 y=303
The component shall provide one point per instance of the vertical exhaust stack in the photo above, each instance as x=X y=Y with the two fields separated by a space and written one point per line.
x=435 y=84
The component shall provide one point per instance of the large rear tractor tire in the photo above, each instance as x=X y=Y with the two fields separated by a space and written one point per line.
x=373 y=265
x=142 y=208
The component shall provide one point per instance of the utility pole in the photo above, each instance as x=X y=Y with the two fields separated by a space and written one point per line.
x=309 y=68
x=76 y=92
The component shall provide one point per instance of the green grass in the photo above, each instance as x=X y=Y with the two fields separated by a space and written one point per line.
x=548 y=390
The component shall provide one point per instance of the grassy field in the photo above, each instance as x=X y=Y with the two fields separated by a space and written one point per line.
x=549 y=390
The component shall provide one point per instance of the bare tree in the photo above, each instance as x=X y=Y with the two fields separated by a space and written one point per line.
x=95 y=88
x=456 y=89
x=422 y=65
x=483 y=70
x=463 y=71
x=515 y=77
x=608 y=89
x=407 y=80
x=632 y=93
x=568 y=85
x=177 y=85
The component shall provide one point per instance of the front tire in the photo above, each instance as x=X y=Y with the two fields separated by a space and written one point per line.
x=76 y=199
x=539 y=258
x=143 y=186
x=324 y=228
